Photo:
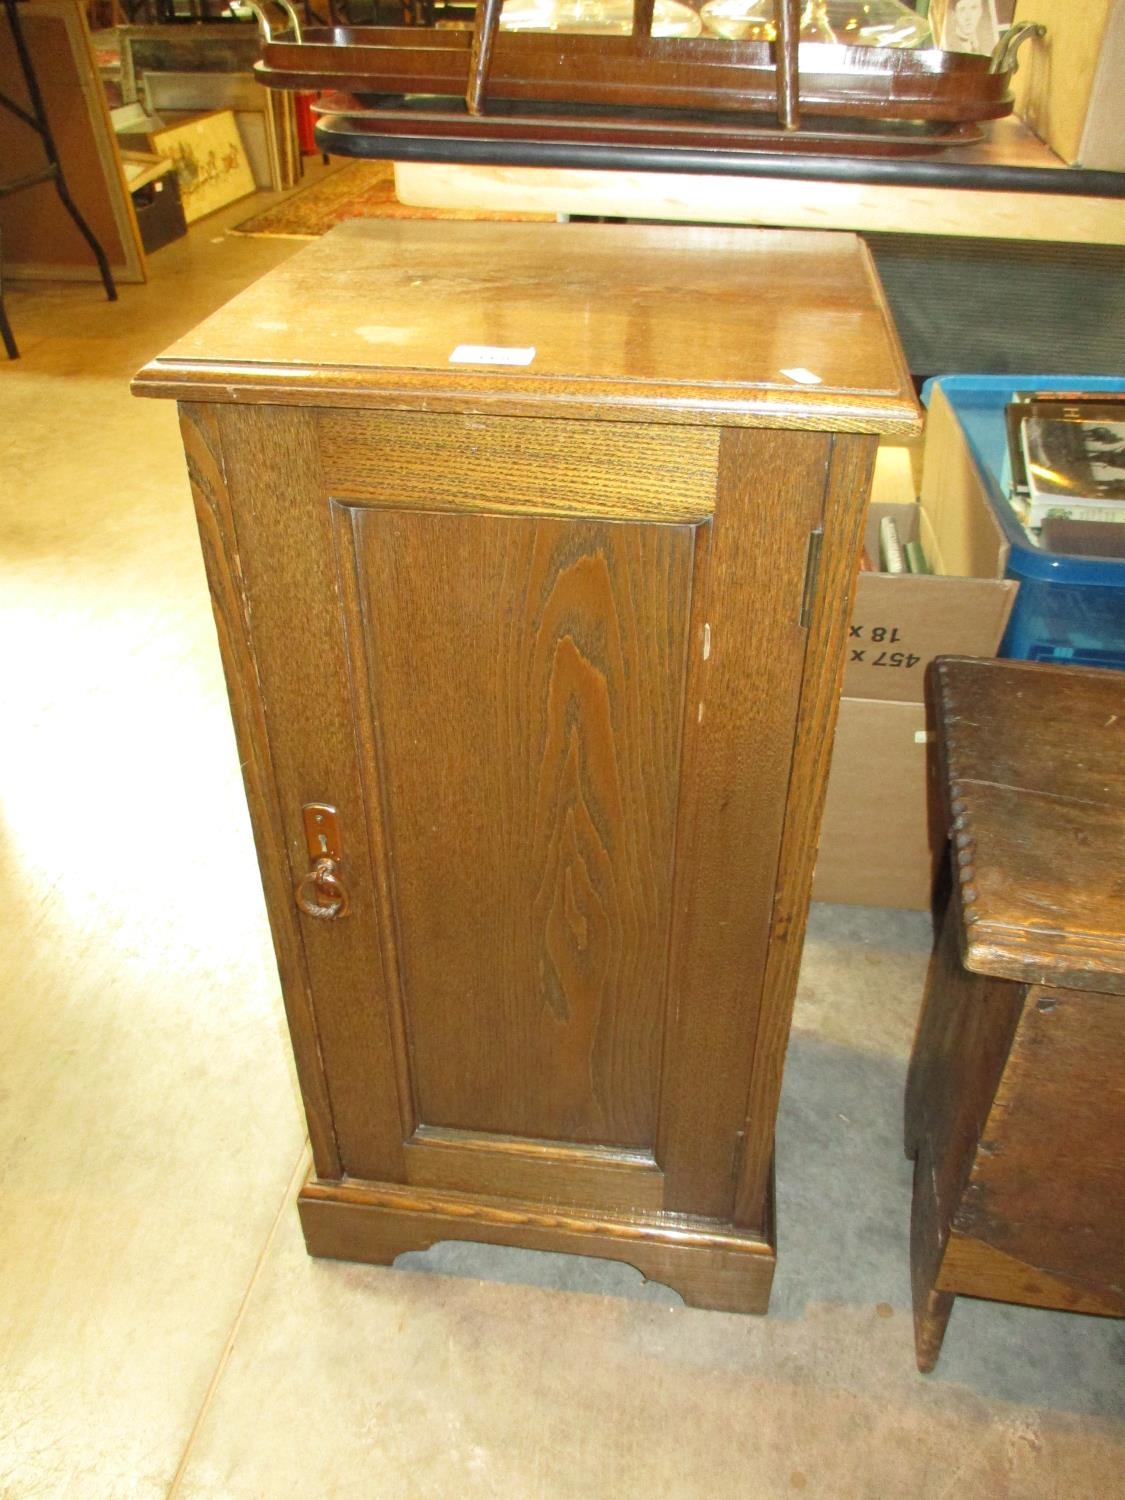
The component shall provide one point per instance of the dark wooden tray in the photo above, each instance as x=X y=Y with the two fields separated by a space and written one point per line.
x=415 y=126
x=702 y=75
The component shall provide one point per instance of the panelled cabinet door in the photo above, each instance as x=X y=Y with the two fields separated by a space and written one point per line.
x=549 y=688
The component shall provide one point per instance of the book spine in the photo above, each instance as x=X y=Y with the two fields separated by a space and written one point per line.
x=890 y=548
x=915 y=558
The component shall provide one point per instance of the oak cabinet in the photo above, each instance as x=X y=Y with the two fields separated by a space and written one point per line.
x=531 y=550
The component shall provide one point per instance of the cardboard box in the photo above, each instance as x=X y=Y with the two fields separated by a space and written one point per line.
x=901 y=622
x=877 y=847
x=1070 y=87
x=876 y=844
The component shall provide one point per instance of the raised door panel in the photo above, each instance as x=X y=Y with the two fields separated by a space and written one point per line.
x=525 y=680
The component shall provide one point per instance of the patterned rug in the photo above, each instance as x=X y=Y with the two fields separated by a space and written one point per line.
x=359 y=190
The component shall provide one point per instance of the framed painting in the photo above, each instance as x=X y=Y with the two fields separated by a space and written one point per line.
x=211 y=162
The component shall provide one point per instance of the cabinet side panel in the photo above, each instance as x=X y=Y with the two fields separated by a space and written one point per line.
x=747 y=650
x=203 y=448
x=1047 y=1186
x=285 y=536
x=964 y=1032
x=527 y=679
x=844 y=501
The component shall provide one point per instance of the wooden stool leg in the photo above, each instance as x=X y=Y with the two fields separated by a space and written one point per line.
x=927 y=1243
x=931 y=1314
x=925 y=1083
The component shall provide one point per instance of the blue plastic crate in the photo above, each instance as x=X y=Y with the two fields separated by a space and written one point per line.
x=1068 y=609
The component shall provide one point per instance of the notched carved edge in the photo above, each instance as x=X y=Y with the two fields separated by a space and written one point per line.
x=962 y=838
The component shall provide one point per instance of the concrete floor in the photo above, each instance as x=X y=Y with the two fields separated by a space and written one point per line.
x=162 y=1331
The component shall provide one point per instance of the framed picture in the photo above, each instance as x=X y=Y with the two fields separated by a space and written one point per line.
x=965 y=25
x=210 y=160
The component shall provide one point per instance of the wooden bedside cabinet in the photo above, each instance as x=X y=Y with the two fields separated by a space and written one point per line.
x=1015 y=1107
x=531 y=549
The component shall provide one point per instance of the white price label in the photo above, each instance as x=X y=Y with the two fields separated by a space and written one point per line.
x=490 y=354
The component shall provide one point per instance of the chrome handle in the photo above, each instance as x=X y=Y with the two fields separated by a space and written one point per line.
x=292 y=20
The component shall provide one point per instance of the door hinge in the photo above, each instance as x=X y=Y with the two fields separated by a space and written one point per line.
x=812 y=569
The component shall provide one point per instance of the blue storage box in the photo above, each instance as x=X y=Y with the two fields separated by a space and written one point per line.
x=1068 y=609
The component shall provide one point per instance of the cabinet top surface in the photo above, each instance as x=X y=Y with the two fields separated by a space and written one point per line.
x=665 y=323
x=1034 y=764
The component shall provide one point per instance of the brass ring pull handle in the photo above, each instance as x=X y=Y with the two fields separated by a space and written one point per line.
x=321 y=893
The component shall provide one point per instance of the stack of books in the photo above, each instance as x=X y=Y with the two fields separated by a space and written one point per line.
x=895 y=555
x=1066 y=469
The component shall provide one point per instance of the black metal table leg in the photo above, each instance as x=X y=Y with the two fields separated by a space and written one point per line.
x=36 y=119
x=6 y=332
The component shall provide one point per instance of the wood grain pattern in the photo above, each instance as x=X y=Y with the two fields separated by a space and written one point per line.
x=849 y=478
x=694 y=73
x=931 y=1318
x=972 y=1266
x=571 y=693
x=787 y=203
x=633 y=324
x=369 y=747
x=200 y=428
x=798 y=410
x=707 y=1264
x=744 y=682
x=1047 y=1186
x=1015 y=1099
x=554 y=1172
x=285 y=543
x=449 y=461
x=527 y=676
x=965 y=1029
x=1034 y=762
x=1015 y=1108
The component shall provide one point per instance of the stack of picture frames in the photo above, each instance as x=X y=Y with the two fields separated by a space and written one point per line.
x=177 y=72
